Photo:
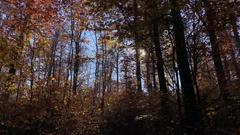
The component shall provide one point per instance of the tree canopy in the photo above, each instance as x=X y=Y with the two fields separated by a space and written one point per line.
x=103 y=67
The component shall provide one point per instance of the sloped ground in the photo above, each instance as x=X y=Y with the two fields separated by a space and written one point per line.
x=125 y=113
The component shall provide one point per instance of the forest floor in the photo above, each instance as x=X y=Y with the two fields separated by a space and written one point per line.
x=124 y=113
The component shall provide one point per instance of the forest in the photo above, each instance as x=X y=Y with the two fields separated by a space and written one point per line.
x=119 y=67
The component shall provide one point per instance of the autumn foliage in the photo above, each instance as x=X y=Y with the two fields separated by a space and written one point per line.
x=119 y=67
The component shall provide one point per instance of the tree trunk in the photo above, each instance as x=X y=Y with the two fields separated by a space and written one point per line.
x=222 y=82
x=189 y=97
x=235 y=63
x=76 y=66
x=148 y=71
x=160 y=62
x=195 y=67
x=236 y=34
x=153 y=68
x=60 y=67
x=104 y=72
x=51 y=68
x=117 y=70
x=179 y=101
x=96 y=83
x=32 y=72
x=136 y=36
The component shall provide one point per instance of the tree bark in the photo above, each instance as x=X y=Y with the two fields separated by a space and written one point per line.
x=76 y=65
x=189 y=97
x=136 y=38
x=221 y=78
x=148 y=71
x=153 y=68
x=160 y=62
x=117 y=70
x=236 y=34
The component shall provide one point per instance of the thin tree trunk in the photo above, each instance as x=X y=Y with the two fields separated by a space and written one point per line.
x=177 y=81
x=148 y=70
x=160 y=62
x=96 y=83
x=72 y=27
x=51 y=68
x=226 y=67
x=136 y=38
x=234 y=61
x=60 y=66
x=32 y=72
x=195 y=68
x=153 y=69
x=236 y=34
x=104 y=74
x=76 y=67
x=117 y=70
x=110 y=79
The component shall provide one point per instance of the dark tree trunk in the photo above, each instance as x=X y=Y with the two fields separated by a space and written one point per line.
x=138 y=71
x=237 y=42
x=152 y=55
x=117 y=70
x=136 y=36
x=104 y=73
x=236 y=34
x=148 y=75
x=12 y=70
x=195 y=67
x=60 y=67
x=76 y=66
x=189 y=97
x=51 y=68
x=222 y=82
x=160 y=62
x=179 y=101
x=32 y=72
x=96 y=83
x=235 y=63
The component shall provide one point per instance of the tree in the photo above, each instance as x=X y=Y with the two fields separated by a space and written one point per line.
x=215 y=48
x=136 y=38
x=189 y=97
x=160 y=61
